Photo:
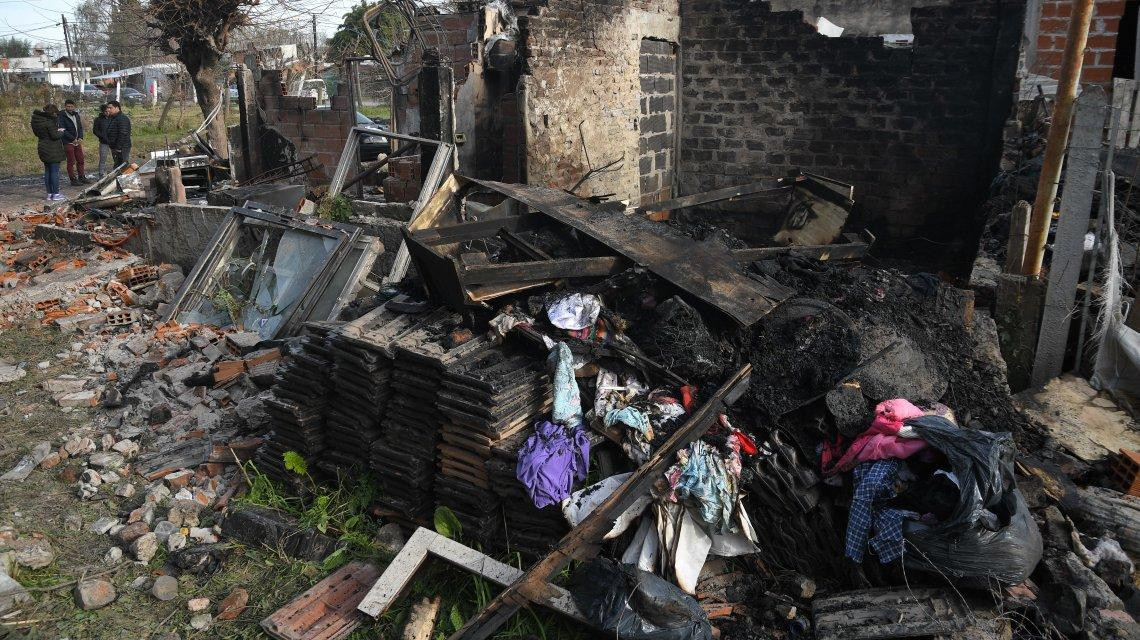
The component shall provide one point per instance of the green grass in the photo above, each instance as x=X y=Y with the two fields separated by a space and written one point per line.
x=18 y=145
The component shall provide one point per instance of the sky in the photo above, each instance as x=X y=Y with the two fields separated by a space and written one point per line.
x=39 y=20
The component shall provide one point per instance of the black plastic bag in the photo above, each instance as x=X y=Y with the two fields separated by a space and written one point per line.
x=972 y=543
x=635 y=604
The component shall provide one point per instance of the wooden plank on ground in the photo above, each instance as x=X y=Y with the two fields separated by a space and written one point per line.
x=707 y=272
x=720 y=195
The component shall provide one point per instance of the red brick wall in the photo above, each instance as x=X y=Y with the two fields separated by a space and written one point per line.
x=319 y=132
x=1052 y=30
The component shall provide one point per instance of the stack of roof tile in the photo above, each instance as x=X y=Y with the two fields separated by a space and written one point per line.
x=487 y=396
x=297 y=408
x=404 y=456
x=361 y=378
x=531 y=531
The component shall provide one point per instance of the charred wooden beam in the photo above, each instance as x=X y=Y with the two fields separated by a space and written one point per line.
x=512 y=272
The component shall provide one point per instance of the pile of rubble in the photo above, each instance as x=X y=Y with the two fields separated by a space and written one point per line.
x=773 y=441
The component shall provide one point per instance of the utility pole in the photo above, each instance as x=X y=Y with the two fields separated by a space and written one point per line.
x=1067 y=85
x=67 y=43
x=314 y=44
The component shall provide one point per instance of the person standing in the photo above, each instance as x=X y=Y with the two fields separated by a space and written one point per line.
x=72 y=124
x=99 y=128
x=45 y=124
x=118 y=133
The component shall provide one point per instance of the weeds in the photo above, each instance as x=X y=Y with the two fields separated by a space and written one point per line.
x=336 y=208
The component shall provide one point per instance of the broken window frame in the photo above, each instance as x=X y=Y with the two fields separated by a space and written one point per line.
x=314 y=295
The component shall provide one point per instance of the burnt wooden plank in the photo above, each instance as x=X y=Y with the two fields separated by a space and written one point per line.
x=704 y=271
x=719 y=195
x=854 y=249
x=512 y=272
x=475 y=230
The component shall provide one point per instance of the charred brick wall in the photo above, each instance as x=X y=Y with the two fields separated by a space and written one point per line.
x=917 y=131
x=312 y=131
x=581 y=90
x=1052 y=34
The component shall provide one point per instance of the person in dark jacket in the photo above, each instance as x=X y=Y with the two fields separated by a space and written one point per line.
x=99 y=129
x=118 y=133
x=72 y=123
x=45 y=124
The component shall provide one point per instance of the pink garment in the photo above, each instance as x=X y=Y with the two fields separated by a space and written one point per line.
x=881 y=441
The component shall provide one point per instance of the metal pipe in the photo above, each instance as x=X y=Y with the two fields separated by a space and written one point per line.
x=1071 y=63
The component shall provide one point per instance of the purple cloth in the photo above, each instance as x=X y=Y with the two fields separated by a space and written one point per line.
x=551 y=460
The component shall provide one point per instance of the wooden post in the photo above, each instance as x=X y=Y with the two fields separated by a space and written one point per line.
x=1069 y=245
x=1018 y=235
x=1058 y=135
x=250 y=123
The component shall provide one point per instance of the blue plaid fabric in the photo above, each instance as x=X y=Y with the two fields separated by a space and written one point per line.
x=875 y=483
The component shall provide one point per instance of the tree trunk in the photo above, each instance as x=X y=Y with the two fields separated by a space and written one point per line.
x=207 y=88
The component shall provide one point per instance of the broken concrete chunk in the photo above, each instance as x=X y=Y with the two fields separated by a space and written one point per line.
x=128 y=448
x=33 y=554
x=125 y=490
x=201 y=622
x=94 y=594
x=165 y=588
x=11 y=373
x=184 y=513
x=24 y=467
x=63 y=385
x=175 y=541
x=91 y=477
x=106 y=460
x=144 y=547
x=12 y=593
x=197 y=605
x=203 y=535
x=178 y=479
x=79 y=399
x=113 y=556
x=102 y=525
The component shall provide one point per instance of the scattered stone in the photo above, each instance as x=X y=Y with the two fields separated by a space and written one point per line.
x=234 y=604
x=141 y=583
x=159 y=414
x=133 y=531
x=106 y=460
x=125 y=490
x=110 y=477
x=175 y=541
x=52 y=460
x=11 y=373
x=203 y=535
x=12 y=593
x=33 y=554
x=197 y=605
x=144 y=547
x=184 y=513
x=178 y=479
x=129 y=448
x=113 y=556
x=390 y=538
x=94 y=594
x=24 y=467
x=92 y=477
x=88 y=398
x=144 y=513
x=165 y=588
x=106 y=442
x=163 y=529
x=201 y=622
x=112 y=397
x=87 y=491
x=158 y=494
x=168 y=635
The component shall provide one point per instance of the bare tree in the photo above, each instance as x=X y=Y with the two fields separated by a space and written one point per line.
x=197 y=32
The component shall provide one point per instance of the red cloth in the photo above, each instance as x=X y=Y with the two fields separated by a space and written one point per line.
x=74 y=153
x=881 y=441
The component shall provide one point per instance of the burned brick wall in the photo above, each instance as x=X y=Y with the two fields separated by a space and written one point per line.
x=581 y=90
x=296 y=119
x=916 y=130
x=859 y=17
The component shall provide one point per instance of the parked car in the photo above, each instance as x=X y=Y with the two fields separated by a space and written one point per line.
x=129 y=95
x=85 y=92
x=372 y=146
